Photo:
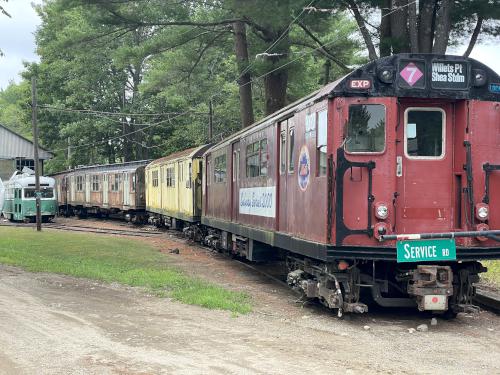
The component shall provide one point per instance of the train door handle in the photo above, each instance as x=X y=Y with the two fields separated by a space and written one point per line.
x=399 y=166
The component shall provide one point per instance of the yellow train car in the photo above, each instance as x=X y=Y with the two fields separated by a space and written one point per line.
x=173 y=188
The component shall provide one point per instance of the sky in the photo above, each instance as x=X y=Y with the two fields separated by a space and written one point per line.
x=17 y=42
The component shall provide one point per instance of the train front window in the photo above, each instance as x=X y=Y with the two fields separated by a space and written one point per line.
x=44 y=193
x=424 y=133
x=366 y=128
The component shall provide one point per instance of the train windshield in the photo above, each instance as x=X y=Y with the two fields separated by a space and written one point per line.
x=45 y=193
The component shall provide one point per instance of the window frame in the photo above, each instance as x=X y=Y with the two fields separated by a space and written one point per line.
x=290 y=150
x=170 y=176
x=260 y=159
x=95 y=180
x=218 y=167
x=236 y=165
x=154 y=178
x=318 y=147
x=283 y=151
x=117 y=179
x=80 y=182
x=346 y=132
x=443 y=133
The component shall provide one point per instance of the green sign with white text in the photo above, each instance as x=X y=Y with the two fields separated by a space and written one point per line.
x=426 y=250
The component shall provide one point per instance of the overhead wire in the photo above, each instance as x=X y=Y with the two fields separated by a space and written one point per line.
x=278 y=39
x=179 y=114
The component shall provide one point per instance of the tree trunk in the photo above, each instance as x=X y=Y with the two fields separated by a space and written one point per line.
x=275 y=86
x=412 y=26
x=372 y=53
x=474 y=36
x=443 y=26
x=399 y=26
x=425 y=32
x=385 y=29
x=244 y=80
x=328 y=65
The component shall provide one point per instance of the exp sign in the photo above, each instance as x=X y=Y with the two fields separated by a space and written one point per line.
x=426 y=250
x=360 y=84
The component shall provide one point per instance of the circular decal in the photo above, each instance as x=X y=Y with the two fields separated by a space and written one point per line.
x=304 y=168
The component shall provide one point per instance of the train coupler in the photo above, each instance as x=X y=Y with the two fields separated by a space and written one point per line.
x=432 y=286
x=326 y=290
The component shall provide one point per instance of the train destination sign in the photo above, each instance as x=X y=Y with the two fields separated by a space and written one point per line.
x=426 y=250
x=449 y=75
x=258 y=201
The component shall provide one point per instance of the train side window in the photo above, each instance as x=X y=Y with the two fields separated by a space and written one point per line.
x=134 y=182
x=115 y=186
x=171 y=176
x=79 y=183
x=220 y=168
x=291 y=143
x=181 y=171
x=264 y=156
x=95 y=182
x=424 y=133
x=154 y=178
x=366 y=128
x=321 y=143
x=257 y=158
x=236 y=165
x=283 y=152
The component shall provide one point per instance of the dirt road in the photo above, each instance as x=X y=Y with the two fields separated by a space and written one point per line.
x=53 y=324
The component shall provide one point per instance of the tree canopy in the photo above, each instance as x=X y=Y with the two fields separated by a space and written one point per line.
x=129 y=79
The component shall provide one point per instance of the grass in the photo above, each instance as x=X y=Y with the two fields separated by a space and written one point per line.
x=113 y=259
x=493 y=274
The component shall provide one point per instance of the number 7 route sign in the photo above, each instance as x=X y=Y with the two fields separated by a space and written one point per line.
x=411 y=74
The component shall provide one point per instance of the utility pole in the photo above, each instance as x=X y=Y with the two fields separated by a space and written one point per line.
x=35 y=154
x=210 y=120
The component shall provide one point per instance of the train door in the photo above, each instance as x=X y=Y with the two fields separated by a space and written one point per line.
x=105 y=190
x=126 y=189
x=180 y=189
x=73 y=189
x=424 y=168
x=286 y=165
x=87 y=189
x=235 y=179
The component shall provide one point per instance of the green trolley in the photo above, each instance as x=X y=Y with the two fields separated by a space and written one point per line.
x=20 y=198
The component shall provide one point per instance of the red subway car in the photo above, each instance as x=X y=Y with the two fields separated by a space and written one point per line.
x=387 y=180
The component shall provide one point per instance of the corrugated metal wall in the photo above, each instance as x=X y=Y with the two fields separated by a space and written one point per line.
x=14 y=146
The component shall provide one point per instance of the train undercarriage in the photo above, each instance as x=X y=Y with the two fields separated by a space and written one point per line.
x=441 y=288
x=131 y=216
x=347 y=286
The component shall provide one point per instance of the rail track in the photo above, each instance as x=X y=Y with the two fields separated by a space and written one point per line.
x=486 y=299
x=88 y=229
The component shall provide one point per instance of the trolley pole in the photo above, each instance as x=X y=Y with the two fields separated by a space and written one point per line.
x=35 y=154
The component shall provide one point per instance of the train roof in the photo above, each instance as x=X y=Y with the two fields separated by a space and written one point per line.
x=116 y=167
x=194 y=152
x=408 y=75
x=283 y=113
x=23 y=180
x=439 y=76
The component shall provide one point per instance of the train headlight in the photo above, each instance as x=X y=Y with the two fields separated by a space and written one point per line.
x=482 y=211
x=381 y=211
x=479 y=77
x=385 y=74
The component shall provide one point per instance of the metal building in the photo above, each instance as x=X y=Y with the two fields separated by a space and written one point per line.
x=16 y=152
